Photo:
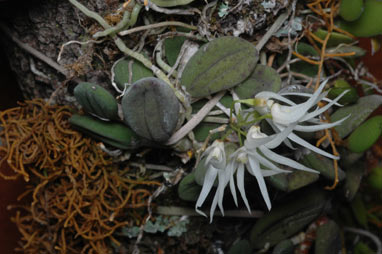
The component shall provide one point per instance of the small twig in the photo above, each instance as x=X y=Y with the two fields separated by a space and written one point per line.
x=195 y=120
x=274 y=28
x=156 y=25
x=76 y=42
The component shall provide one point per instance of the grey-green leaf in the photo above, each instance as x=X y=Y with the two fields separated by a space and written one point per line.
x=188 y=189
x=96 y=100
x=328 y=240
x=114 y=134
x=151 y=109
x=263 y=78
x=121 y=72
x=218 y=65
x=358 y=113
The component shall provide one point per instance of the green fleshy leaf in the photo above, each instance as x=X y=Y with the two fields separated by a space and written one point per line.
x=219 y=65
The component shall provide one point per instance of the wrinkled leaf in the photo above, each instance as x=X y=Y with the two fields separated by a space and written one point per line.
x=121 y=72
x=358 y=113
x=263 y=78
x=96 y=101
x=286 y=220
x=151 y=109
x=328 y=239
x=218 y=65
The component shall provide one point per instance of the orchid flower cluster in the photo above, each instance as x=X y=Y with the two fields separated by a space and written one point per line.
x=256 y=155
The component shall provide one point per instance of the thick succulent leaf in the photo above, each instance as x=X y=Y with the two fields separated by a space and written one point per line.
x=241 y=247
x=322 y=165
x=328 y=239
x=151 y=109
x=365 y=135
x=171 y=3
x=188 y=189
x=263 y=78
x=292 y=181
x=218 y=65
x=111 y=133
x=375 y=178
x=369 y=23
x=351 y=10
x=121 y=72
x=286 y=220
x=353 y=179
x=96 y=100
x=358 y=113
x=334 y=39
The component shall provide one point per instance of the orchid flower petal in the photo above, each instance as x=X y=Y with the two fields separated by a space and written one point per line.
x=323 y=109
x=271 y=95
x=322 y=126
x=208 y=182
x=240 y=185
x=303 y=143
x=254 y=168
x=284 y=160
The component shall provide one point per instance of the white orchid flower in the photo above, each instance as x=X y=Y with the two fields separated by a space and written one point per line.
x=298 y=114
x=254 y=154
x=216 y=164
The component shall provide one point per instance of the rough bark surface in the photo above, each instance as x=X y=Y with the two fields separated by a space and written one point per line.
x=45 y=25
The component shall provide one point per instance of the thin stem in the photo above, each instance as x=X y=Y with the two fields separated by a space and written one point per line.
x=156 y=25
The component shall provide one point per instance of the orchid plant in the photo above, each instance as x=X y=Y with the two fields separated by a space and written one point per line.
x=256 y=155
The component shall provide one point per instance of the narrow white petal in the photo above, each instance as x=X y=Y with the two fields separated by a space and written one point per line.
x=213 y=206
x=280 y=137
x=254 y=168
x=271 y=95
x=323 y=109
x=303 y=143
x=264 y=161
x=220 y=190
x=322 y=126
x=277 y=128
x=230 y=170
x=271 y=172
x=284 y=160
x=208 y=182
x=240 y=185
x=307 y=95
